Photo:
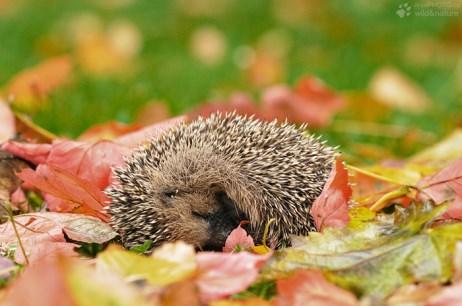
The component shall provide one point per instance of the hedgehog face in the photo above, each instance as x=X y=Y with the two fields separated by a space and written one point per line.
x=203 y=218
x=183 y=198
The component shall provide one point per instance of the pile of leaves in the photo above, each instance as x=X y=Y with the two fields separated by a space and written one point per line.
x=389 y=233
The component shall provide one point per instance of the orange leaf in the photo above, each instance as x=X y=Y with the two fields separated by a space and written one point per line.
x=69 y=192
x=307 y=288
x=33 y=85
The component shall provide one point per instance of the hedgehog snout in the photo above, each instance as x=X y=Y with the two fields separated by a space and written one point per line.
x=222 y=222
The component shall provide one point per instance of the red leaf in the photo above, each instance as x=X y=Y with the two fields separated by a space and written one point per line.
x=445 y=185
x=311 y=101
x=223 y=274
x=73 y=193
x=35 y=153
x=306 y=288
x=72 y=174
x=238 y=238
x=138 y=137
x=330 y=209
x=41 y=235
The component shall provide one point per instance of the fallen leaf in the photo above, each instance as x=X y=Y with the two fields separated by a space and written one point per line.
x=441 y=154
x=392 y=88
x=40 y=284
x=79 y=172
x=414 y=294
x=28 y=130
x=152 y=112
x=239 y=102
x=309 y=287
x=377 y=259
x=41 y=235
x=330 y=209
x=31 y=87
x=89 y=230
x=449 y=296
x=66 y=192
x=238 y=239
x=445 y=185
x=159 y=272
x=7 y=128
x=136 y=138
x=107 y=131
x=223 y=274
x=310 y=102
x=89 y=287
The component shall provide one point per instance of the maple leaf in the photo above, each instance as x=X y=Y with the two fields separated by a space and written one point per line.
x=72 y=174
x=309 y=287
x=330 y=209
x=66 y=192
x=445 y=185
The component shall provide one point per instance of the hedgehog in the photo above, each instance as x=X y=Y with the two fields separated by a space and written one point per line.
x=199 y=181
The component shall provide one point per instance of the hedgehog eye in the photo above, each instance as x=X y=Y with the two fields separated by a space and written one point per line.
x=171 y=194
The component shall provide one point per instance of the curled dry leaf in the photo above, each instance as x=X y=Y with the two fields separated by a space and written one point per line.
x=88 y=229
x=309 y=287
x=330 y=209
x=223 y=274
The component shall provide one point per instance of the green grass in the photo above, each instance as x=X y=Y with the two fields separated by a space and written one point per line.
x=342 y=42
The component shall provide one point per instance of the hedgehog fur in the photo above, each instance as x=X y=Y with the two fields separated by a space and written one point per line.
x=198 y=181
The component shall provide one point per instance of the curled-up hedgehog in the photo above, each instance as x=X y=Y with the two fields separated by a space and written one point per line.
x=198 y=181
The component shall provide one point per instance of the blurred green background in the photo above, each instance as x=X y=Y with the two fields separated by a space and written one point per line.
x=129 y=52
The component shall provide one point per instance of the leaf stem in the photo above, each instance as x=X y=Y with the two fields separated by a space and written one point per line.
x=385 y=199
